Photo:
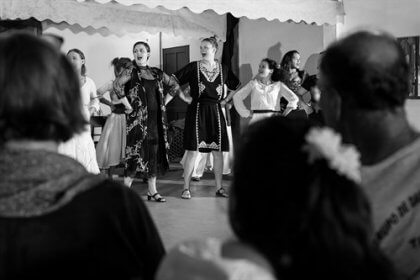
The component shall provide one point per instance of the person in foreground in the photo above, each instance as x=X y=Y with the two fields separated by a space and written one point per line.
x=311 y=222
x=57 y=221
x=364 y=83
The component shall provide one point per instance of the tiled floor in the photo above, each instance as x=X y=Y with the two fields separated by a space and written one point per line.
x=178 y=219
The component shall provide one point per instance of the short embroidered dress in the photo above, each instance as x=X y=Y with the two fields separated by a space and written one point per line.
x=205 y=125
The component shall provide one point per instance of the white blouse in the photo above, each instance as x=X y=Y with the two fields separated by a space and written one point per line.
x=263 y=97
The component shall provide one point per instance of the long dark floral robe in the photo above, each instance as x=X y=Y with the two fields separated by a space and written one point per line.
x=142 y=158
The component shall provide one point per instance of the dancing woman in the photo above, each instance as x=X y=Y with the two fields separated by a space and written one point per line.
x=205 y=125
x=81 y=146
x=293 y=78
x=147 y=145
x=110 y=150
x=266 y=92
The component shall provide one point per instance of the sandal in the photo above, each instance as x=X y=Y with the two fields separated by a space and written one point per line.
x=222 y=193
x=186 y=194
x=157 y=197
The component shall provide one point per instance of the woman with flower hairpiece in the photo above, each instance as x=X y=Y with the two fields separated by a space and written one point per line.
x=205 y=126
x=311 y=220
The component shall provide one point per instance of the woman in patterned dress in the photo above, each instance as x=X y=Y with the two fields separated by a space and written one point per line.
x=146 y=143
x=205 y=125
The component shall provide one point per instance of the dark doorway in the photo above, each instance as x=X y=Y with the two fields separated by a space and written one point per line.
x=173 y=60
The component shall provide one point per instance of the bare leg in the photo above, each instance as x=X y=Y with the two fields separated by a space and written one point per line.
x=189 y=164
x=218 y=168
x=190 y=158
x=128 y=181
x=151 y=185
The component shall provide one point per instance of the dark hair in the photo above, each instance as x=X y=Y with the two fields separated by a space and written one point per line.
x=39 y=91
x=82 y=56
x=306 y=219
x=368 y=70
x=120 y=63
x=212 y=40
x=146 y=45
x=272 y=65
x=58 y=40
x=286 y=62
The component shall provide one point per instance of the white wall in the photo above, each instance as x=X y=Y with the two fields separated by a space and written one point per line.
x=261 y=38
x=398 y=17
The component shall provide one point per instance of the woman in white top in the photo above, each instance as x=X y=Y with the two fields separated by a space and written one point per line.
x=81 y=146
x=110 y=150
x=266 y=92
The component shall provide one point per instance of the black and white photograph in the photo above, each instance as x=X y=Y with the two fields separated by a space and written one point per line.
x=210 y=139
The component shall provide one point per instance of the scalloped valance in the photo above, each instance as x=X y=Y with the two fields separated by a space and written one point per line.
x=188 y=18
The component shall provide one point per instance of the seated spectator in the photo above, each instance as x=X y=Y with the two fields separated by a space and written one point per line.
x=57 y=221
x=306 y=218
x=364 y=85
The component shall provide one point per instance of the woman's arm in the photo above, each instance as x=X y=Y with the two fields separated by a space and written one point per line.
x=291 y=98
x=175 y=89
x=238 y=99
x=94 y=100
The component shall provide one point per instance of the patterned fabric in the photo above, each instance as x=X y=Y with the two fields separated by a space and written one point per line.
x=36 y=182
x=205 y=125
x=138 y=153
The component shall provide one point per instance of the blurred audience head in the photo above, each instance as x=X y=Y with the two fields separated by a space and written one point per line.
x=39 y=91
x=56 y=40
x=310 y=220
x=364 y=72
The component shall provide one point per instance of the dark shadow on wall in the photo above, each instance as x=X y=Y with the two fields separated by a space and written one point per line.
x=311 y=64
x=274 y=52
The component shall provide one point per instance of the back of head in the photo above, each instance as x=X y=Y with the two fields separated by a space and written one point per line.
x=368 y=70
x=39 y=91
x=307 y=219
x=121 y=63
x=56 y=40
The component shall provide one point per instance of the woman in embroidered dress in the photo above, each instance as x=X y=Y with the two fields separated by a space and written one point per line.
x=81 y=146
x=266 y=92
x=147 y=145
x=110 y=150
x=205 y=125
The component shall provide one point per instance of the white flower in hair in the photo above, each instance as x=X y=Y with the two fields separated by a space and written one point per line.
x=324 y=143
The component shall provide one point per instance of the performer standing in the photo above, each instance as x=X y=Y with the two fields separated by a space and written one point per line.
x=266 y=92
x=205 y=125
x=293 y=78
x=110 y=150
x=147 y=145
x=81 y=146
